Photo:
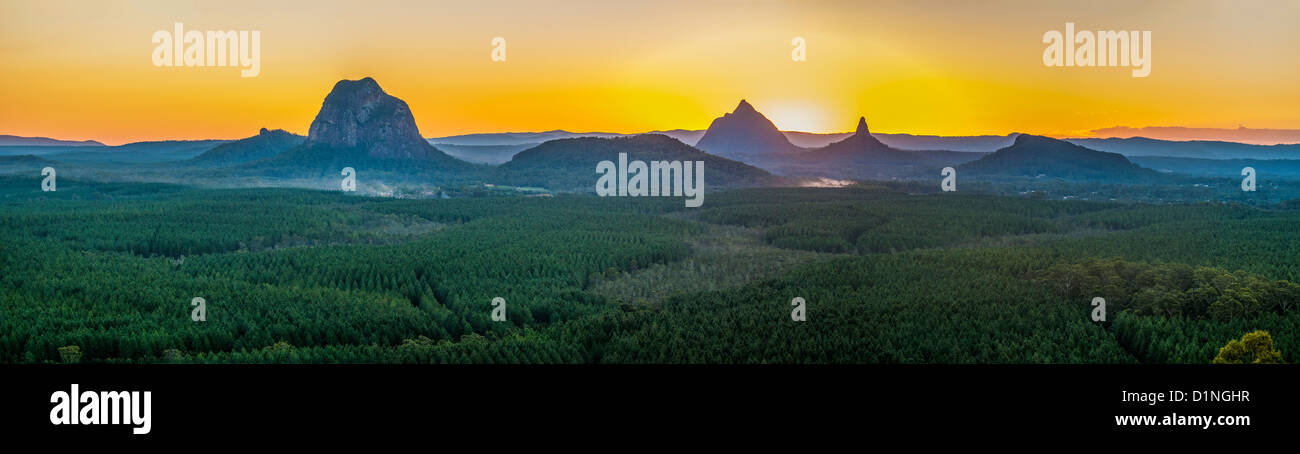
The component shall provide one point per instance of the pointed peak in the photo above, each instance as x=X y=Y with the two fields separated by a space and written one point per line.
x=862 y=126
x=744 y=107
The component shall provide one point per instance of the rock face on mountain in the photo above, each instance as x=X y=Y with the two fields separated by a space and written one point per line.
x=362 y=127
x=267 y=143
x=744 y=133
x=357 y=114
x=1033 y=155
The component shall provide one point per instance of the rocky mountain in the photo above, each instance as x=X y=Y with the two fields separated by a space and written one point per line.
x=359 y=125
x=744 y=134
x=357 y=114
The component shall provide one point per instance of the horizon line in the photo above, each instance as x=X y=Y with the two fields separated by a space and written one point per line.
x=429 y=138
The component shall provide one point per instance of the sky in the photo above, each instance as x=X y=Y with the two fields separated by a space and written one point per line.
x=83 y=70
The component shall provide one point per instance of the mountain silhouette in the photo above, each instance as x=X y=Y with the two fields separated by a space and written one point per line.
x=1033 y=155
x=265 y=144
x=744 y=134
x=863 y=149
x=11 y=141
x=1203 y=149
x=860 y=155
x=567 y=164
x=359 y=125
x=358 y=114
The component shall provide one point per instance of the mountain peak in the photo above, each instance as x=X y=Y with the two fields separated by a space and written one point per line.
x=743 y=132
x=1029 y=139
x=363 y=84
x=863 y=148
x=359 y=114
x=862 y=126
x=275 y=133
x=744 y=107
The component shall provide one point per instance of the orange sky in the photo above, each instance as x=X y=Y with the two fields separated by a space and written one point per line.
x=83 y=70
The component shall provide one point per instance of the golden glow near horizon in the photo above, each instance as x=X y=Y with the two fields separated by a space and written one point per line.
x=83 y=70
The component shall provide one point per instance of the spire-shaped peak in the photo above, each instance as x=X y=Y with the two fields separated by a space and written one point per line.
x=862 y=126
x=744 y=107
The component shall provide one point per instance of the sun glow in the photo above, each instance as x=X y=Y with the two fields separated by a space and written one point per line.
x=641 y=66
x=795 y=116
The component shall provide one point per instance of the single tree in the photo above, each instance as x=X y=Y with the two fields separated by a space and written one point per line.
x=1255 y=348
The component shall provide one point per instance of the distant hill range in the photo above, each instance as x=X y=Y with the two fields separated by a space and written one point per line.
x=1203 y=149
x=862 y=156
x=18 y=141
x=570 y=164
x=746 y=135
x=1240 y=134
x=131 y=153
x=534 y=138
x=1037 y=156
x=973 y=144
x=1223 y=168
x=24 y=163
x=361 y=126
